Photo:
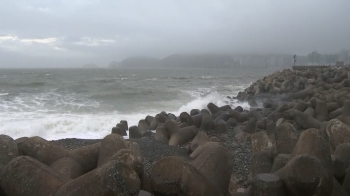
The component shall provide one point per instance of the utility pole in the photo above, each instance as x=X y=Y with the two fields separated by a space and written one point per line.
x=295 y=59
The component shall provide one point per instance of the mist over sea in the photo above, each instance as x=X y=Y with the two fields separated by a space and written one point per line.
x=87 y=103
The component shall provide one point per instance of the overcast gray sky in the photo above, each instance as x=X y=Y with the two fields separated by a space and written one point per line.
x=72 y=32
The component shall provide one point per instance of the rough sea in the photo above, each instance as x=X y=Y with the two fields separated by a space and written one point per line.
x=87 y=103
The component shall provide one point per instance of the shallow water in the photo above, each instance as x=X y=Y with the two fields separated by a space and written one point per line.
x=87 y=103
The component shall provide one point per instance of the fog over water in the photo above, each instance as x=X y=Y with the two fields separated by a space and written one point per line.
x=69 y=33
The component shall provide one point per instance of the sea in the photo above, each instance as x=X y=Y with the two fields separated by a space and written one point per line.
x=87 y=103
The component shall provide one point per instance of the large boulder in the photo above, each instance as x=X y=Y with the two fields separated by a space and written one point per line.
x=109 y=145
x=161 y=134
x=123 y=127
x=86 y=156
x=171 y=127
x=207 y=123
x=200 y=139
x=128 y=157
x=267 y=185
x=113 y=178
x=134 y=132
x=215 y=162
x=310 y=168
x=27 y=176
x=183 y=135
x=338 y=132
x=42 y=150
x=342 y=152
x=173 y=176
x=259 y=141
x=260 y=162
x=68 y=167
x=286 y=138
x=8 y=149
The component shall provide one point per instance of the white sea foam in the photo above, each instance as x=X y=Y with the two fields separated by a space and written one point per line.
x=52 y=126
x=58 y=126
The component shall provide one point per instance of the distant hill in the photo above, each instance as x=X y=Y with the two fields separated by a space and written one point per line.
x=198 y=61
x=139 y=62
x=177 y=61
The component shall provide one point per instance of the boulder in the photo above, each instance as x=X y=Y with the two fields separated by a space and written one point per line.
x=68 y=167
x=197 y=120
x=220 y=126
x=286 y=138
x=213 y=108
x=128 y=157
x=123 y=128
x=304 y=120
x=267 y=185
x=117 y=130
x=186 y=118
x=195 y=112
x=110 y=145
x=86 y=156
x=207 y=123
x=27 y=176
x=305 y=175
x=231 y=123
x=338 y=132
x=125 y=124
x=112 y=178
x=171 y=127
x=134 y=132
x=250 y=126
x=259 y=141
x=279 y=162
x=338 y=168
x=260 y=162
x=342 y=152
x=8 y=149
x=215 y=162
x=321 y=111
x=143 y=127
x=161 y=134
x=200 y=139
x=183 y=136
x=173 y=176
x=42 y=150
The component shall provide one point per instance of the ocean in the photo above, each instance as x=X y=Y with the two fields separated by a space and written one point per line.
x=87 y=103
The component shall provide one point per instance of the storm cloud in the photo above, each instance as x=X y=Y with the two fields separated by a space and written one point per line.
x=74 y=32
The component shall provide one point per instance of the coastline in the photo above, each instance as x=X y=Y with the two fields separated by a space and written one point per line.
x=298 y=121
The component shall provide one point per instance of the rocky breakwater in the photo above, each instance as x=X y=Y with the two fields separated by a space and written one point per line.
x=299 y=129
x=294 y=140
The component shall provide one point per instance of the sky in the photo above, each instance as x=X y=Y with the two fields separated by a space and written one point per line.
x=60 y=33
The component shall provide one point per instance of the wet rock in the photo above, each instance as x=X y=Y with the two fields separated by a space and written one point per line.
x=161 y=134
x=173 y=176
x=286 y=138
x=267 y=185
x=86 y=156
x=259 y=141
x=183 y=136
x=68 y=167
x=42 y=150
x=215 y=162
x=8 y=149
x=337 y=132
x=123 y=128
x=113 y=178
x=27 y=176
x=134 y=132
x=200 y=139
x=279 y=162
x=110 y=145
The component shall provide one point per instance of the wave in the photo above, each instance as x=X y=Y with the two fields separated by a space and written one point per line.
x=30 y=84
x=60 y=126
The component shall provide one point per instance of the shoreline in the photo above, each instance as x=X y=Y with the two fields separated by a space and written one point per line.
x=298 y=122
